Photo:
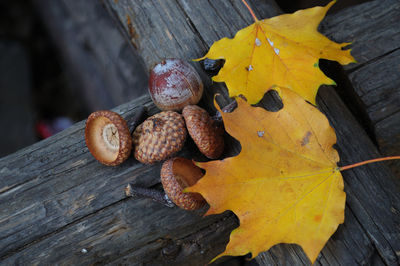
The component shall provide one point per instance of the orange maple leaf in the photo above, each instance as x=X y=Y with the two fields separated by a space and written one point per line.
x=284 y=186
x=281 y=51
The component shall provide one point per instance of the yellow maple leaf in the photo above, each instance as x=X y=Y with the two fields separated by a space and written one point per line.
x=281 y=51
x=284 y=186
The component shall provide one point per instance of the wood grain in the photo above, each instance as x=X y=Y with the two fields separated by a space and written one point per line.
x=103 y=66
x=374 y=30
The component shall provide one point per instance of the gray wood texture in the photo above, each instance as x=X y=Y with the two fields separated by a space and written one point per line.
x=103 y=67
x=58 y=205
x=374 y=29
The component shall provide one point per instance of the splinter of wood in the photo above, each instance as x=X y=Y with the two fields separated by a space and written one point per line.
x=154 y=194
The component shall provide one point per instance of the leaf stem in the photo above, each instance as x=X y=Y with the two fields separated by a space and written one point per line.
x=368 y=161
x=250 y=10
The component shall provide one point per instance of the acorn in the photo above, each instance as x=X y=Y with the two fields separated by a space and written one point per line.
x=205 y=131
x=176 y=175
x=108 y=138
x=159 y=137
x=173 y=84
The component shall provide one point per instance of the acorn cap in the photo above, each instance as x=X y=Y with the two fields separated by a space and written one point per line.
x=107 y=137
x=206 y=133
x=159 y=137
x=177 y=174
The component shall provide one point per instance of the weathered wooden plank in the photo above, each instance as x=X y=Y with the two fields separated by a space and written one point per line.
x=80 y=204
x=104 y=67
x=371 y=190
x=82 y=201
x=136 y=231
x=374 y=29
x=48 y=179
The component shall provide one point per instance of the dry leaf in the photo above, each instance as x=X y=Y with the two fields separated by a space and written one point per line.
x=284 y=185
x=281 y=51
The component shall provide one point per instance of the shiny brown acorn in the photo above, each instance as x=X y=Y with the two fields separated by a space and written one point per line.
x=173 y=84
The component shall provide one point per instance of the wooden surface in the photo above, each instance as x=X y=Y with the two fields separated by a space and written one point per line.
x=60 y=206
x=104 y=68
x=374 y=29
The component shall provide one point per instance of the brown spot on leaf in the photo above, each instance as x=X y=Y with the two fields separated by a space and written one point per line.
x=318 y=218
x=306 y=138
